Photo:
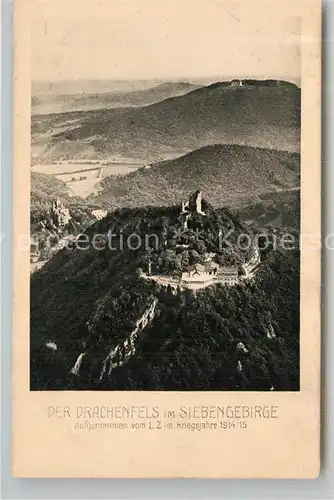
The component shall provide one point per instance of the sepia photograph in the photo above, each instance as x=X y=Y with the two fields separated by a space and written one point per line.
x=166 y=239
x=165 y=181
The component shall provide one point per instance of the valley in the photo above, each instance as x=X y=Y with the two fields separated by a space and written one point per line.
x=83 y=179
x=186 y=120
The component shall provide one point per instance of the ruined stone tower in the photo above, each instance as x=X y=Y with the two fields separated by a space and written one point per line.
x=195 y=203
x=190 y=207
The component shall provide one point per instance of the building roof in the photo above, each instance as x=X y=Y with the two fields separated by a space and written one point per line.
x=211 y=265
x=228 y=270
x=197 y=278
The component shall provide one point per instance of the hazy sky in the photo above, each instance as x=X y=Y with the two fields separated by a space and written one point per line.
x=165 y=40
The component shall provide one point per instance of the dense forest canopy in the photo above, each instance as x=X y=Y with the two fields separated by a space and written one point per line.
x=229 y=175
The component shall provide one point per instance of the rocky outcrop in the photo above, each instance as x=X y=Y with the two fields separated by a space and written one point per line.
x=250 y=266
x=99 y=213
x=125 y=350
x=76 y=368
x=241 y=347
x=120 y=354
x=271 y=332
x=60 y=214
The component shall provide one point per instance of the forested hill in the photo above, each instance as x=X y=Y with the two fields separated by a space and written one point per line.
x=262 y=115
x=88 y=300
x=226 y=173
x=194 y=344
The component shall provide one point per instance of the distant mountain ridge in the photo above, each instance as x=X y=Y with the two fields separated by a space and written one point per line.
x=263 y=115
x=95 y=85
x=85 y=101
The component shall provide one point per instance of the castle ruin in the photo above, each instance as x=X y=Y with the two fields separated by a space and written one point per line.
x=192 y=206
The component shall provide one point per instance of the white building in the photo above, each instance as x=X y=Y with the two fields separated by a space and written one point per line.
x=228 y=275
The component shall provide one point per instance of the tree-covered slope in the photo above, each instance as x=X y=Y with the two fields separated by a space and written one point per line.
x=226 y=173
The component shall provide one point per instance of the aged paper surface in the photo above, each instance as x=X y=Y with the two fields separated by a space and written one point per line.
x=199 y=358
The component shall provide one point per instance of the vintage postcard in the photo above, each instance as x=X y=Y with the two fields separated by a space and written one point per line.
x=167 y=167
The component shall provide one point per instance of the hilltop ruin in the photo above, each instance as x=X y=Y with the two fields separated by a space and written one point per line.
x=210 y=271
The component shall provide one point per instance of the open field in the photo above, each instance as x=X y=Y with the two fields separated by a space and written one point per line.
x=83 y=178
